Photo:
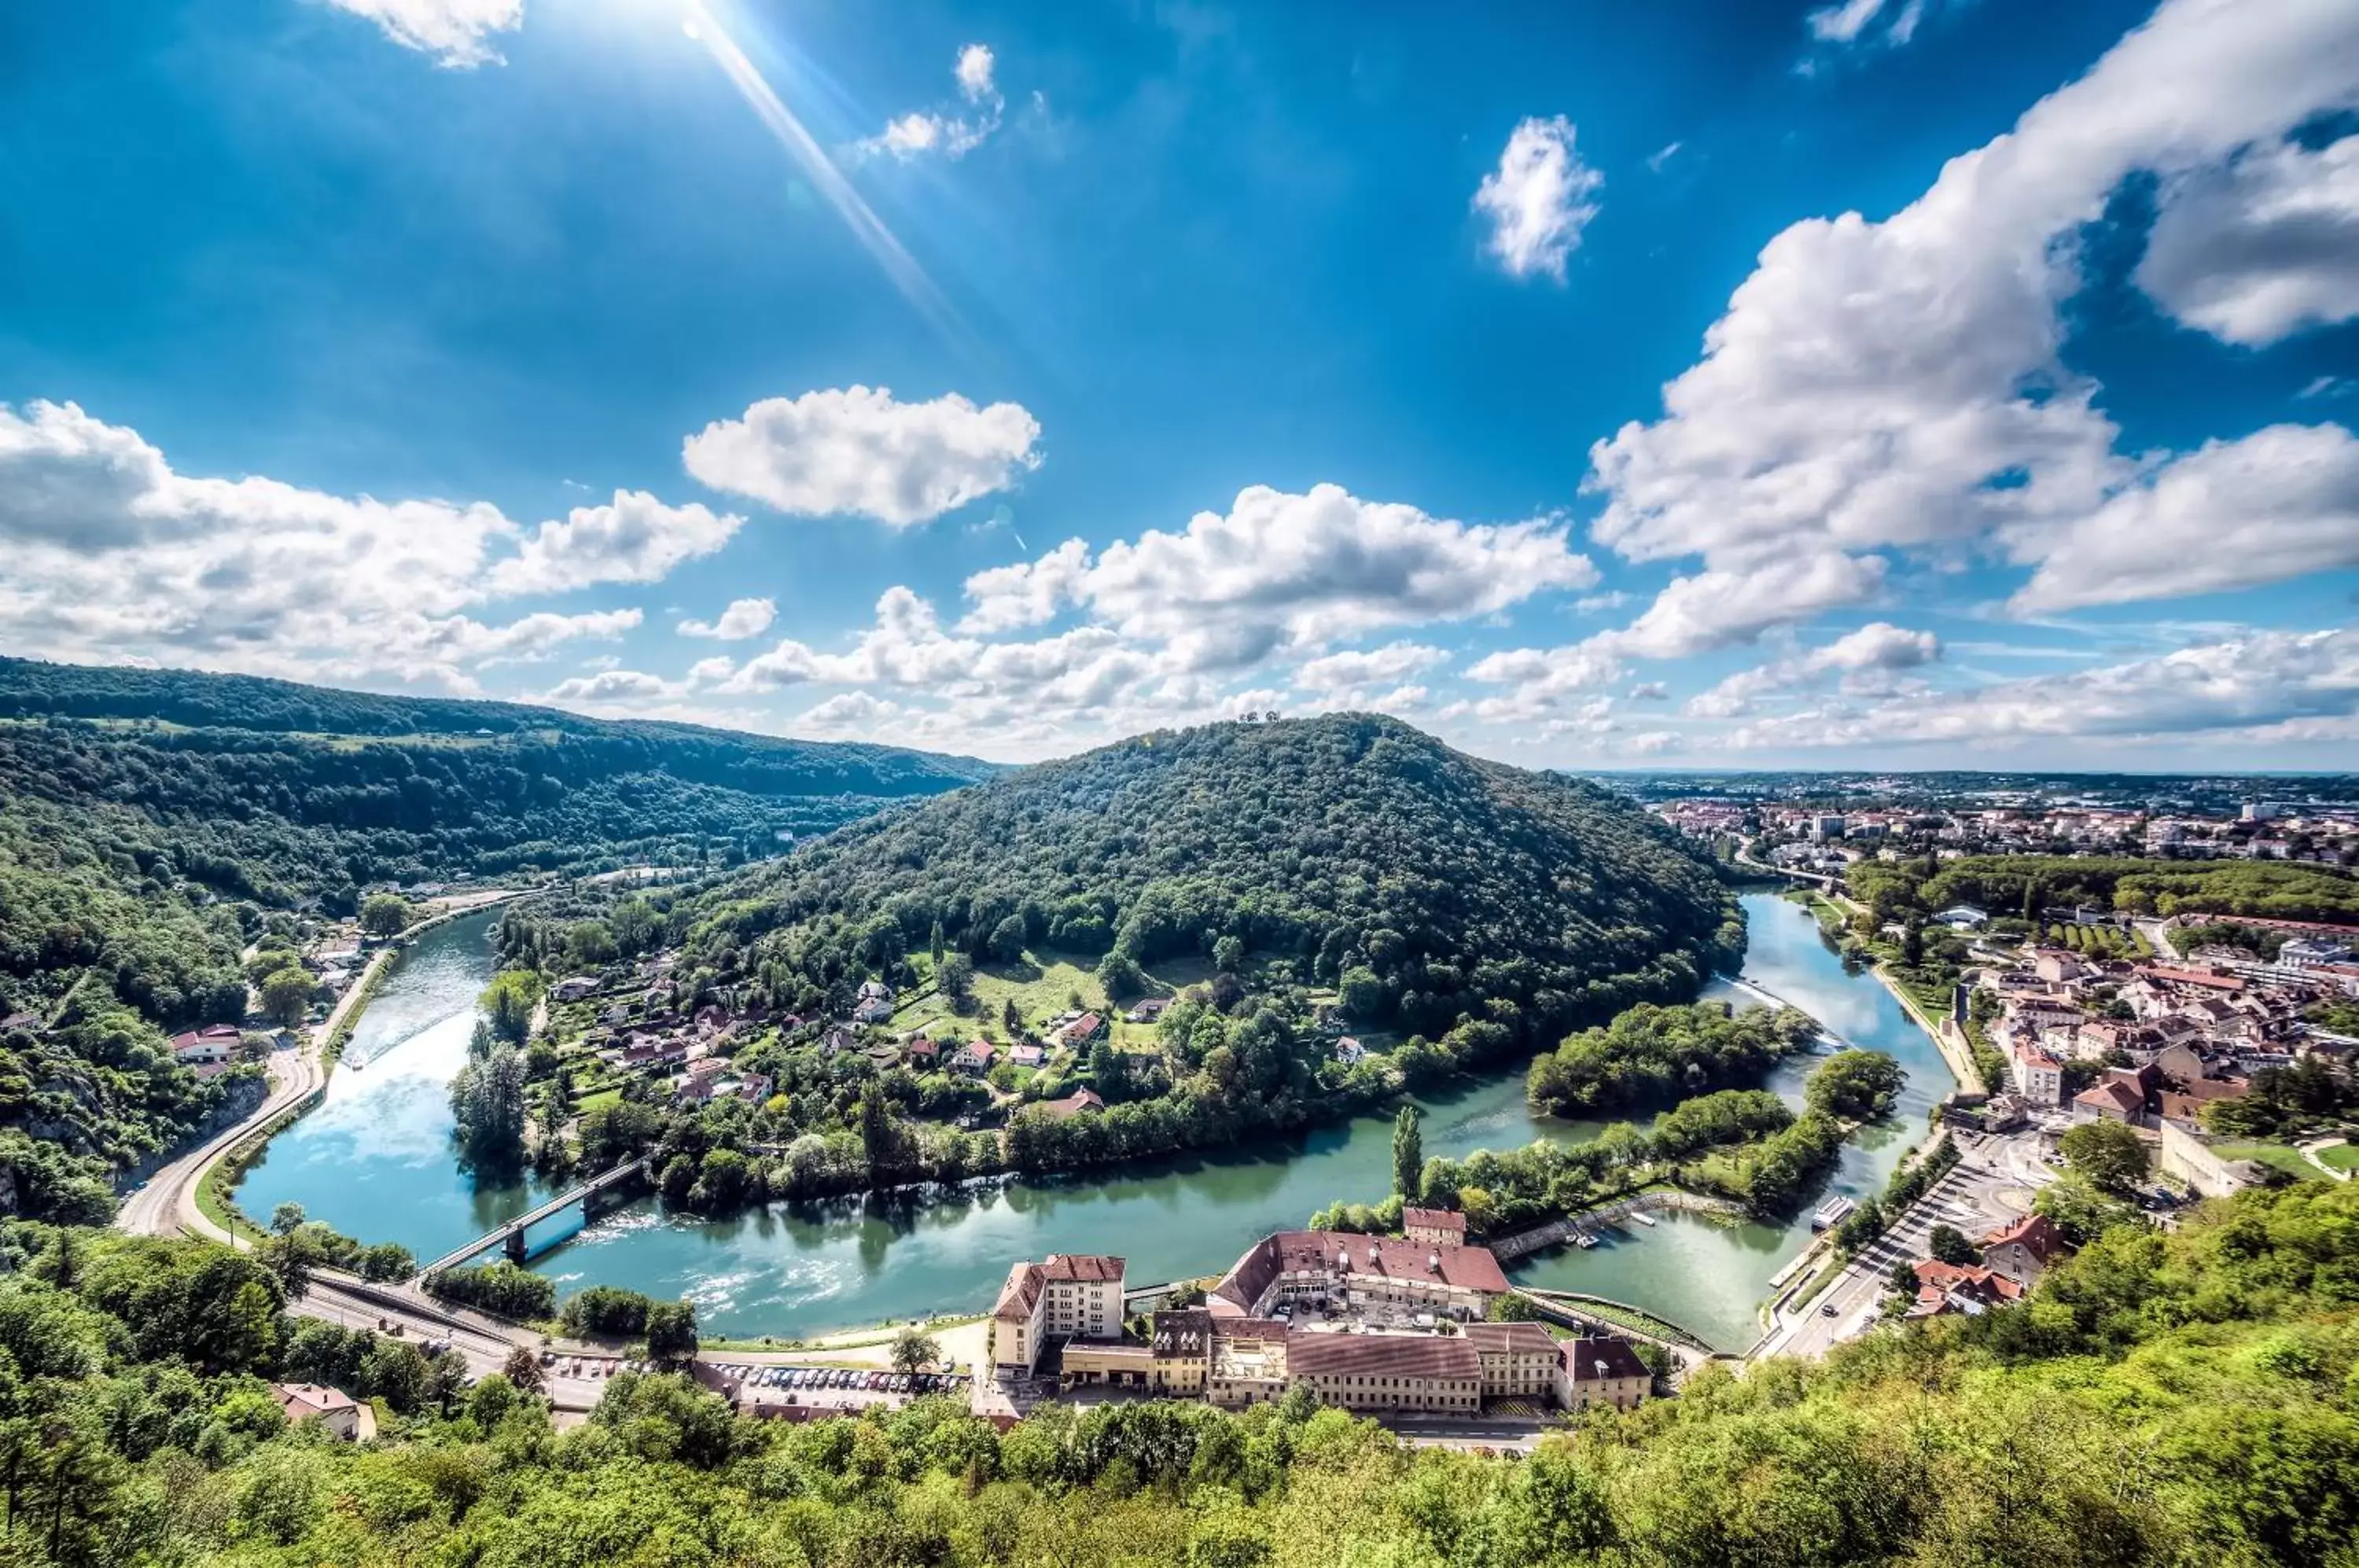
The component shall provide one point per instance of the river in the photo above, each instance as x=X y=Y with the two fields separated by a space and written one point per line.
x=375 y=1161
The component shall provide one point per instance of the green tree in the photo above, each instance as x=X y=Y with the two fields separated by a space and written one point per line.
x=522 y=1369
x=487 y=1101
x=1948 y=1243
x=1011 y=1017
x=1408 y=1153
x=509 y=1001
x=386 y=914
x=287 y=995
x=285 y=1218
x=914 y=1350
x=2111 y=1155
x=671 y=1331
x=955 y=977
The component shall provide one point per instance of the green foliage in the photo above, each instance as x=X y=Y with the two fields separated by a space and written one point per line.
x=507 y=1003
x=2161 y=1399
x=1409 y=1151
x=2109 y=1154
x=2261 y=888
x=1651 y=1055
x=487 y=1101
x=500 y=1287
x=1344 y=846
x=386 y=914
x=607 y=1309
x=1858 y=1085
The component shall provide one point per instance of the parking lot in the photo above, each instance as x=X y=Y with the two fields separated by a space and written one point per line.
x=756 y=1385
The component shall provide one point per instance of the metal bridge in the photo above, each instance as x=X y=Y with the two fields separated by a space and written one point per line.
x=511 y=1236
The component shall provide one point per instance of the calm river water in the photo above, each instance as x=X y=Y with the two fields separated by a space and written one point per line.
x=375 y=1161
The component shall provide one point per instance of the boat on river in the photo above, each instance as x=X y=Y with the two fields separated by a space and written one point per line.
x=1583 y=1240
x=1643 y=1217
x=1831 y=1214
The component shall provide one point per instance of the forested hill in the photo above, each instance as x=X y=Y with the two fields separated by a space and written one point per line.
x=266 y=788
x=1353 y=850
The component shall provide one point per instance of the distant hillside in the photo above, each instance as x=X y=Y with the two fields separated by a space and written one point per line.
x=1355 y=851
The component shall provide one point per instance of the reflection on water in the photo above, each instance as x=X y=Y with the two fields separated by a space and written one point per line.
x=376 y=1162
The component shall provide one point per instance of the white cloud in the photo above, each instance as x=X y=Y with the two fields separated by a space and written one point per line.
x=458 y=33
x=610 y=686
x=1661 y=155
x=1855 y=23
x=1538 y=199
x=974 y=72
x=1842 y=24
x=2258 y=680
x=106 y=552
x=633 y=538
x=744 y=618
x=1899 y=384
x=1360 y=669
x=1715 y=608
x=2263 y=247
x=1650 y=692
x=1282 y=572
x=2281 y=501
x=946 y=131
x=858 y=451
x=1868 y=659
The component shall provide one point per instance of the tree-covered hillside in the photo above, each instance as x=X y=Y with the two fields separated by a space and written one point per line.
x=153 y=822
x=2188 y=1398
x=1421 y=883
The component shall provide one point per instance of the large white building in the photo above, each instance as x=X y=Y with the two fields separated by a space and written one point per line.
x=1076 y=1296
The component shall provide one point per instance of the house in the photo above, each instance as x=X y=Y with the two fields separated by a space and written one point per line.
x=873 y=1011
x=1964 y=1288
x=2038 y=1077
x=27 y=1022
x=1434 y=1227
x=921 y=1052
x=1081 y=1030
x=1064 y=1298
x=214 y=1043
x=1072 y=1104
x=974 y=1057
x=1026 y=1054
x=1148 y=1011
x=1518 y=1360
x=2116 y=1098
x=573 y=987
x=837 y=1040
x=2022 y=1251
x=341 y=1415
x=1602 y=1371
x=1349 y=1051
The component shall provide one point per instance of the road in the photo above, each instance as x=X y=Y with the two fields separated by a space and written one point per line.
x=1988 y=1188
x=167 y=1204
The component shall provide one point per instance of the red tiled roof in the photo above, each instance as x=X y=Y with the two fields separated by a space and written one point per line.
x=1433 y=1219
x=2117 y=1093
x=1338 y=1253
x=1320 y=1354
x=2197 y=978
x=2037 y=1235
x=1021 y=1294
x=1511 y=1339
x=1083 y=1266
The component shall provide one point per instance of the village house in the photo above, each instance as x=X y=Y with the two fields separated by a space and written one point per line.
x=1602 y=1372
x=1434 y=1227
x=573 y=987
x=2022 y=1251
x=974 y=1057
x=1349 y=1051
x=1148 y=1009
x=874 y=1004
x=1080 y=1032
x=203 y=1047
x=1960 y=1288
x=1026 y=1054
x=338 y=1413
x=1072 y=1105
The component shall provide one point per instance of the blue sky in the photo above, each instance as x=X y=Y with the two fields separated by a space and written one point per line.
x=1899 y=383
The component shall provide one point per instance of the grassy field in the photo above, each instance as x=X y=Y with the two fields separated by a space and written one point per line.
x=2277 y=1155
x=1043 y=985
x=2341 y=1156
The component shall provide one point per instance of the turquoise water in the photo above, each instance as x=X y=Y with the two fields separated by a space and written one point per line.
x=375 y=1161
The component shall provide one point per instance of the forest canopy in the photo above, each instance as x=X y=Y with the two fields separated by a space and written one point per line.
x=1360 y=853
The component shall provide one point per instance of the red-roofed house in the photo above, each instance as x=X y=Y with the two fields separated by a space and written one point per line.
x=340 y=1414
x=214 y=1043
x=2023 y=1250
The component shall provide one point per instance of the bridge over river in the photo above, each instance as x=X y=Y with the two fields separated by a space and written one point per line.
x=511 y=1236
